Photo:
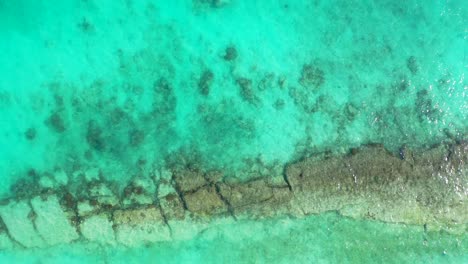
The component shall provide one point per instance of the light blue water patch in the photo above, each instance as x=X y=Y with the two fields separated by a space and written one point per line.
x=378 y=82
x=383 y=72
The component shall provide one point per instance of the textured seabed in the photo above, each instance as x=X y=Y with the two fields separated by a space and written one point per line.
x=233 y=131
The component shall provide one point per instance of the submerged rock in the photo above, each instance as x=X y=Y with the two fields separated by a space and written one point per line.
x=98 y=228
x=374 y=184
x=30 y=133
x=230 y=53
x=246 y=90
x=214 y=3
x=189 y=180
x=204 y=83
x=5 y=242
x=425 y=188
x=134 y=227
x=15 y=215
x=172 y=207
x=205 y=202
x=412 y=65
x=312 y=76
x=94 y=136
x=51 y=221
x=56 y=122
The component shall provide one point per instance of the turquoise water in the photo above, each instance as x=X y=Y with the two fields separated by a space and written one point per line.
x=129 y=89
x=323 y=239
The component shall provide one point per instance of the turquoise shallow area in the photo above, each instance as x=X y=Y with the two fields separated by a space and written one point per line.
x=328 y=238
x=130 y=86
x=391 y=73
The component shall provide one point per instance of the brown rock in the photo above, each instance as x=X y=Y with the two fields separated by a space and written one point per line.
x=205 y=201
x=189 y=180
x=134 y=227
x=172 y=207
x=141 y=216
x=239 y=195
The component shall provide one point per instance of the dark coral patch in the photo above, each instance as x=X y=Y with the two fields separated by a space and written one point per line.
x=312 y=76
x=30 y=134
x=94 y=136
x=56 y=122
x=412 y=65
x=230 y=53
x=204 y=83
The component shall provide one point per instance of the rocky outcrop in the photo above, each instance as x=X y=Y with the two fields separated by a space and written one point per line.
x=427 y=188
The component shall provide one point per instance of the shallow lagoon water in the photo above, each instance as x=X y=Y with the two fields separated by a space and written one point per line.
x=127 y=89
x=328 y=238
